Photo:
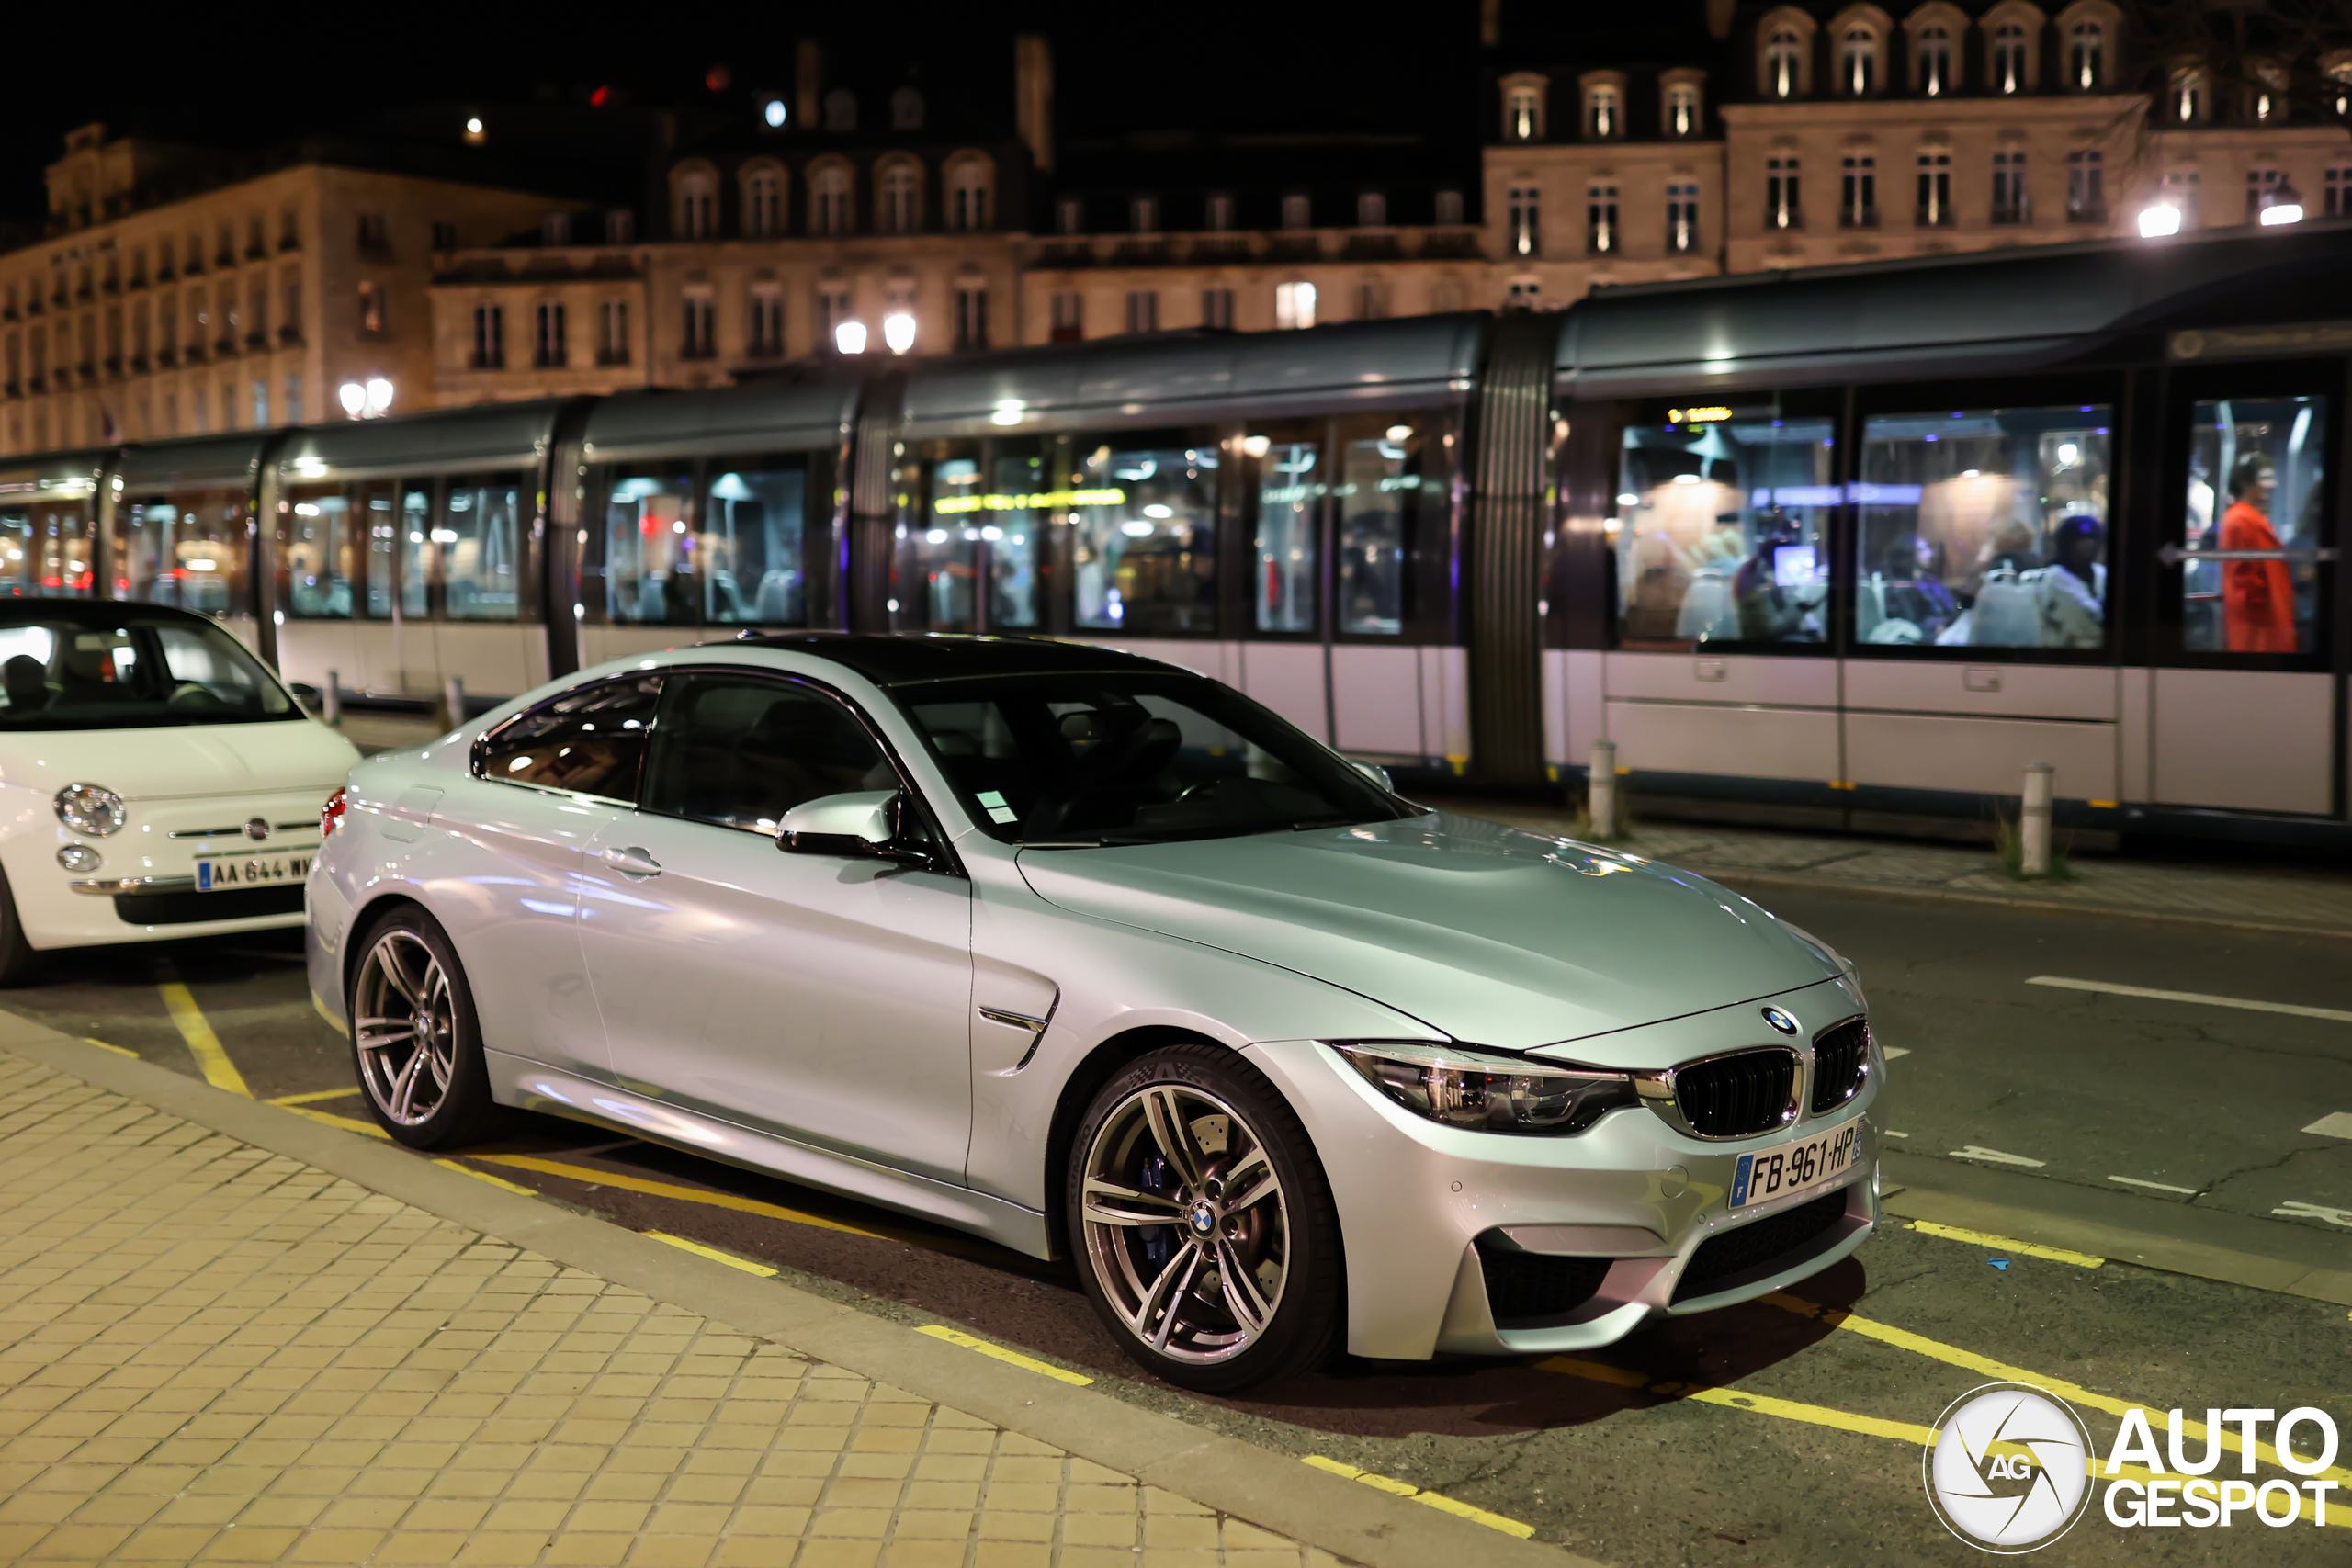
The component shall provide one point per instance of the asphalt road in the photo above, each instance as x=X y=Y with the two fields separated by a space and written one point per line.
x=1776 y=1432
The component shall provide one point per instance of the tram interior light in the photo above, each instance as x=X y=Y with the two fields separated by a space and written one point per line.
x=2158 y=220
x=1400 y=432
x=898 y=331
x=1257 y=445
x=1629 y=499
x=849 y=337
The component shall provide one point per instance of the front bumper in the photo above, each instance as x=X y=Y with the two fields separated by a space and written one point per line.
x=1630 y=1201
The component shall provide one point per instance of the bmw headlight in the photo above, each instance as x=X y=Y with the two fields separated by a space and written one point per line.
x=1465 y=1088
x=91 y=808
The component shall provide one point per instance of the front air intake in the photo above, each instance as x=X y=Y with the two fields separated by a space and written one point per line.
x=1841 y=1061
x=1740 y=1095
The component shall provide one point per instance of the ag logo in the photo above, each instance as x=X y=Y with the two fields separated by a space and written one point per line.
x=2010 y=1468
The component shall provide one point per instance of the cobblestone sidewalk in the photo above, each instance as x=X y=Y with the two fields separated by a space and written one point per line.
x=209 y=1352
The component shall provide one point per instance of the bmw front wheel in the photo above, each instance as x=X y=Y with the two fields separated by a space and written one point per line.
x=415 y=1039
x=1203 y=1227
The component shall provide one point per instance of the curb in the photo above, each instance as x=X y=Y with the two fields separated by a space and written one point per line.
x=1272 y=1489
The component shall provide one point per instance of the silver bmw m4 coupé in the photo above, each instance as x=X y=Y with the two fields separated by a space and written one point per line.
x=1098 y=958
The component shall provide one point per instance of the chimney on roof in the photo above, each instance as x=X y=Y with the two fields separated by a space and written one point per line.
x=808 y=84
x=1719 y=18
x=1033 y=97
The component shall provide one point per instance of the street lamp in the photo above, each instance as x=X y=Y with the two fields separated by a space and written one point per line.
x=2158 y=220
x=366 y=399
x=899 y=329
x=2281 y=204
x=849 y=337
x=354 y=398
x=380 y=395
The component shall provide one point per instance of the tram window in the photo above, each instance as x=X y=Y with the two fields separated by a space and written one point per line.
x=973 y=527
x=752 y=542
x=321 y=560
x=1984 y=528
x=1378 y=492
x=481 y=544
x=417 y=548
x=939 y=590
x=16 y=553
x=187 y=549
x=2256 y=473
x=382 y=534
x=65 y=545
x=1014 y=542
x=1292 y=483
x=1144 y=552
x=1721 y=526
x=648 y=555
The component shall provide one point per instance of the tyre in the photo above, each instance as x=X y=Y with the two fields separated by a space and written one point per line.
x=415 y=1042
x=1202 y=1225
x=20 y=964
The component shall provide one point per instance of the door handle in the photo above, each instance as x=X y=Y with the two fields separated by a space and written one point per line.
x=632 y=861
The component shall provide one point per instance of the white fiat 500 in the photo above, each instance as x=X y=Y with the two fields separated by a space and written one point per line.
x=1098 y=957
x=156 y=780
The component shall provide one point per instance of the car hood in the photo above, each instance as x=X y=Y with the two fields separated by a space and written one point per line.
x=1495 y=936
x=174 y=762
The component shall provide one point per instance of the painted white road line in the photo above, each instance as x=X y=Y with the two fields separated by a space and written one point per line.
x=1893 y=1133
x=1995 y=1157
x=2336 y=1015
x=2314 y=1211
x=2154 y=1186
x=2335 y=1125
x=1894 y=1051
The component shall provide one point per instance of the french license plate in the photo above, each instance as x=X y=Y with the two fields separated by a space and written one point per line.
x=218 y=875
x=1792 y=1166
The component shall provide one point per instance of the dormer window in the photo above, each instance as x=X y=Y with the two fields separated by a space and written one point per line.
x=1143 y=214
x=1858 y=62
x=2087 y=57
x=1604 y=111
x=1220 y=211
x=906 y=109
x=2188 y=96
x=1523 y=113
x=2008 y=59
x=1935 y=60
x=1682 y=109
x=1297 y=211
x=2269 y=93
x=1372 y=209
x=1783 y=63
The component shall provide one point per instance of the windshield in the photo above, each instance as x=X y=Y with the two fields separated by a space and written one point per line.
x=136 y=674
x=1078 y=761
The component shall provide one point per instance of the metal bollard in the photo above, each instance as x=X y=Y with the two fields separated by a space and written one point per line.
x=1600 y=790
x=2033 y=820
x=330 y=698
x=453 y=701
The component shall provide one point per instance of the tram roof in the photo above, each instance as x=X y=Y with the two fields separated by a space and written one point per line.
x=487 y=435
x=1162 y=378
x=2015 y=308
x=762 y=415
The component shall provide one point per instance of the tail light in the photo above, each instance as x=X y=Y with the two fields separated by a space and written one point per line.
x=331 y=813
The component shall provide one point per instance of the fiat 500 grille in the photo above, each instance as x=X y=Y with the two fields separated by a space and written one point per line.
x=1840 y=1061
x=1732 y=1097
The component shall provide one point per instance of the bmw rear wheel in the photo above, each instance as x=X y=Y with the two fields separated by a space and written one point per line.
x=415 y=1039
x=1204 y=1229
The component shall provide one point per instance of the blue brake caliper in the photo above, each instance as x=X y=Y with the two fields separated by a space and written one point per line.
x=1159 y=1241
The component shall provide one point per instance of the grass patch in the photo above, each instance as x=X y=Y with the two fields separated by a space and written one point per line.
x=2008 y=851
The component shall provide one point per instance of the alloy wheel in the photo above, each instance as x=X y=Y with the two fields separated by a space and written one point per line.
x=1186 y=1224
x=404 y=1022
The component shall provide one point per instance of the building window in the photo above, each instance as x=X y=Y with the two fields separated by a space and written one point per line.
x=1858 y=62
x=1604 y=111
x=1372 y=301
x=1142 y=310
x=1068 y=317
x=841 y=109
x=2339 y=88
x=764 y=203
x=1448 y=212
x=898 y=189
x=971 y=316
x=2337 y=197
x=1682 y=109
x=1524 y=294
x=2008 y=59
x=696 y=216
x=1069 y=216
x=1220 y=211
x=2261 y=186
x=293 y=409
x=968 y=197
x=832 y=311
x=1216 y=308
x=2269 y=93
x=2087 y=57
x=767 y=323
x=2085 y=187
x=1783 y=63
x=1523 y=114
x=1372 y=209
x=612 y=333
x=906 y=109
x=1935 y=60
x=444 y=235
x=549 y=349
x=490 y=337
x=2188 y=96
x=1934 y=190
x=1682 y=216
x=371 y=310
x=371 y=236
x=828 y=198
x=1858 y=192
x=2008 y=187
x=620 y=227
x=1782 y=206
x=1294 y=305
x=1143 y=214
x=1298 y=213
x=2185 y=190
x=1526 y=221
x=695 y=338
x=261 y=405
x=1600 y=220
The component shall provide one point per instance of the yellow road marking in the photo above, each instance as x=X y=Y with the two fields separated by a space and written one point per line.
x=117 y=1050
x=348 y=1124
x=697 y=1248
x=667 y=1189
x=202 y=1044
x=2007 y=1244
x=485 y=1176
x=314 y=1094
x=321 y=1008
x=1437 y=1500
x=997 y=1352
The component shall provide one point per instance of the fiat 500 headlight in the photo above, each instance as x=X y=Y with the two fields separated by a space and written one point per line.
x=91 y=808
x=1464 y=1088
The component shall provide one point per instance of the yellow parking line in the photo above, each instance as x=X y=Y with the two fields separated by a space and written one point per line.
x=315 y=1095
x=321 y=1008
x=697 y=1248
x=2008 y=1244
x=485 y=1176
x=202 y=1044
x=117 y=1050
x=997 y=1352
x=666 y=1189
x=1437 y=1500
x=348 y=1124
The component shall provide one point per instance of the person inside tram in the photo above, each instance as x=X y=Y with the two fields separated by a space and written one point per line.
x=2258 y=596
x=1913 y=594
x=1767 y=611
x=2072 y=586
x=25 y=680
x=1660 y=578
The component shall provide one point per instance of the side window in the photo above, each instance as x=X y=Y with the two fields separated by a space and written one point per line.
x=740 y=751
x=2256 y=472
x=591 y=739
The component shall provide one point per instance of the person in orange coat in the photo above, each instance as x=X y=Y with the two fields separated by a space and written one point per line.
x=2258 y=596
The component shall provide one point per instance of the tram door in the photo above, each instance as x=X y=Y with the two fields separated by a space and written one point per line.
x=2242 y=705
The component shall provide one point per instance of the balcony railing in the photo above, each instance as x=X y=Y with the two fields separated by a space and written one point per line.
x=1857 y=217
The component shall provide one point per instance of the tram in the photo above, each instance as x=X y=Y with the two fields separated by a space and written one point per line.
x=1854 y=539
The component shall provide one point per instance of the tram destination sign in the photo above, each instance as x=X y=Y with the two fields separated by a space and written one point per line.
x=2249 y=343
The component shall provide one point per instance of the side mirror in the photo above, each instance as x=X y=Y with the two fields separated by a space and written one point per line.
x=863 y=825
x=1377 y=774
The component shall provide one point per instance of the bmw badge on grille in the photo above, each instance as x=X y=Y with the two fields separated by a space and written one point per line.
x=1780 y=1021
